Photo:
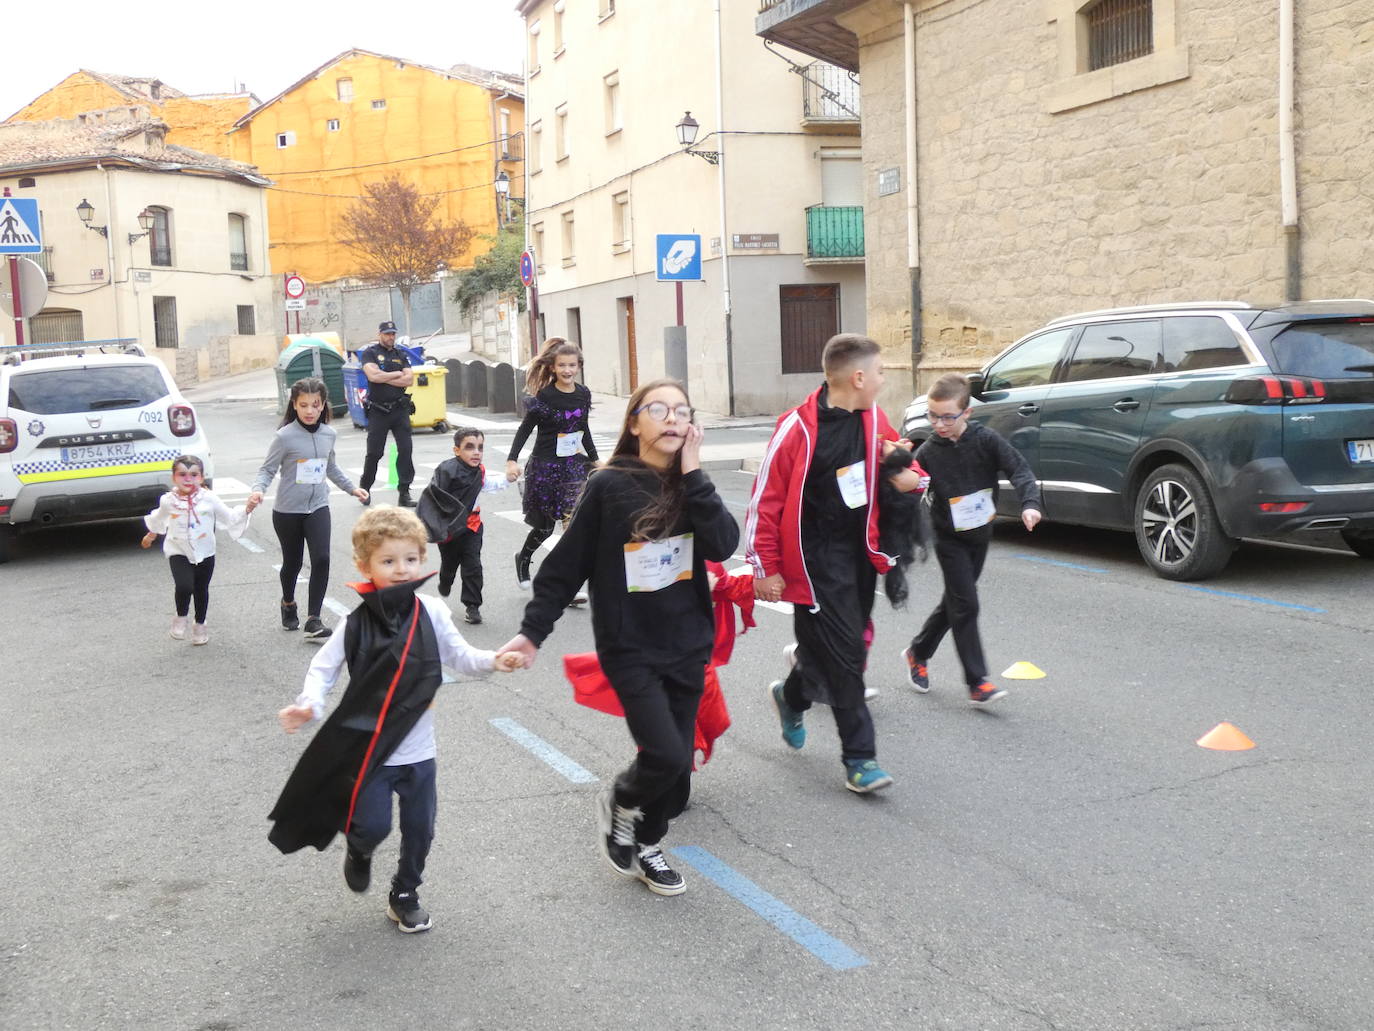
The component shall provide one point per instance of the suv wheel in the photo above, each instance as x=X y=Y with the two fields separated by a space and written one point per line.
x=7 y=535
x=1176 y=526
x=1361 y=542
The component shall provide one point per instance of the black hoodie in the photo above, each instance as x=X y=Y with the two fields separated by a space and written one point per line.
x=968 y=465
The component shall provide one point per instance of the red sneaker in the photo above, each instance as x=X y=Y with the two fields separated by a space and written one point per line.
x=985 y=692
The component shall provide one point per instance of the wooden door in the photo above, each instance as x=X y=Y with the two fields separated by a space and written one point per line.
x=631 y=355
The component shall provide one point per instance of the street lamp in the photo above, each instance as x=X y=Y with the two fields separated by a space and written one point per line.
x=687 y=135
x=86 y=212
x=503 y=195
x=146 y=220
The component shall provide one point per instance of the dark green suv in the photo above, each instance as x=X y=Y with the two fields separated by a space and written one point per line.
x=1192 y=424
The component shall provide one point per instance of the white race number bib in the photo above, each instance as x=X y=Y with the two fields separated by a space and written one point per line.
x=310 y=470
x=972 y=510
x=653 y=565
x=569 y=444
x=853 y=488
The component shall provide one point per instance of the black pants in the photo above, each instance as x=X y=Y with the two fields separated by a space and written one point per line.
x=858 y=739
x=413 y=785
x=297 y=531
x=661 y=712
x=463 y=554
x=961 y=562
x=379 y=424
x=191 y=582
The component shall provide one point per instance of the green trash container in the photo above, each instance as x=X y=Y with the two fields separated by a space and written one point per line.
x=305 y=358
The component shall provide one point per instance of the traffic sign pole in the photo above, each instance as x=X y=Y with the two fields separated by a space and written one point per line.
x=18 y=296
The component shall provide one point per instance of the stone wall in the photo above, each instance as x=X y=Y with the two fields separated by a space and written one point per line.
x=221 y=356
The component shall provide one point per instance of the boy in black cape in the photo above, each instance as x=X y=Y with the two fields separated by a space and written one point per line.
x=450 y=511
x=380 y=738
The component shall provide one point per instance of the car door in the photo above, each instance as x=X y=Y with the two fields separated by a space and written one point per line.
x=1012 y=393
x=1092 y=418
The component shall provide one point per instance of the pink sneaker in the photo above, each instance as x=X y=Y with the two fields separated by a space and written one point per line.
x=199 y=635
x=178 y=630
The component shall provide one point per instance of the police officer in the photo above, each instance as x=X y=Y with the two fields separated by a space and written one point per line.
x=388 y=407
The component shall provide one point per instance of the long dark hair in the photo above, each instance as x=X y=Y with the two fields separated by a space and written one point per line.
x=309 y=385
x=657 y=518
x=540 y=373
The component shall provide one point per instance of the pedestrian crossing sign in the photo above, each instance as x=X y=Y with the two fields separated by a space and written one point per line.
x=20 y=232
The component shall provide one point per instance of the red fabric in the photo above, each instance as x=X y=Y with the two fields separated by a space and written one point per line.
x=729 y=592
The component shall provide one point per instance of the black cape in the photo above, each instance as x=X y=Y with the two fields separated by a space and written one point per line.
x=393 y=675
x=451 y=495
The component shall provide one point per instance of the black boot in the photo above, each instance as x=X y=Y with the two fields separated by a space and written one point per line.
x=522 y=569
x=404 y=499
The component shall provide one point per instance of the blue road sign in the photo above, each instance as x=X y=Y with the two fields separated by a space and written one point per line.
x=20 y=232
x=527 y=268
x=678 y=257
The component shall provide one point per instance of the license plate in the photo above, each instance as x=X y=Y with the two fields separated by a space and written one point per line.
x=96 y=453
x=1361 y=451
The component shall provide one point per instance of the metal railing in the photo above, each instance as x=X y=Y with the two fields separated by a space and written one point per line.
x=238 y=261
x=829 y=93
x=1119 y=31
x=43 y=259
x=834 y=232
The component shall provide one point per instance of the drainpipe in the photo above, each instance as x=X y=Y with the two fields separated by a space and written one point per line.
x=1288 y=173
x=724 y=229
x=109 y=247
x=913 y=225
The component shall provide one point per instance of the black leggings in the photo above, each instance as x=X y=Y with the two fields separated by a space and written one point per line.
x=536 y=537
x=297 y=531
x=191 y=581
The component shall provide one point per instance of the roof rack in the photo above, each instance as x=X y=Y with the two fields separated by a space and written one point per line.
x=14 y=353
x=1140 y=309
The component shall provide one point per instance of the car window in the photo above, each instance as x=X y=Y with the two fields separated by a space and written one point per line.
x=1029 y=365
x=1113 y=349
x=60 y=391
x=1326 y=350
x=1200 y=342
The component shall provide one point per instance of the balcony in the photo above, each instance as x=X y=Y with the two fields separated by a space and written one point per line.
x=830 y=97
x=43 y=259
x=811 y=27
x=834 y=236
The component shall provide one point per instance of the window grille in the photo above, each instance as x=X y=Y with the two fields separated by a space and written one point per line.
x=1119 y=31
x=165 y=321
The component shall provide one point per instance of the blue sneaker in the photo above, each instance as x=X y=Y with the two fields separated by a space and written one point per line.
x=864 y=775
x=792 y=730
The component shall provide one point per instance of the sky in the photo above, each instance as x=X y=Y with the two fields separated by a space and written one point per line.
x=209 y=47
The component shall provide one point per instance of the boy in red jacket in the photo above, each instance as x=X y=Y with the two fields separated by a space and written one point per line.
x=812 y=538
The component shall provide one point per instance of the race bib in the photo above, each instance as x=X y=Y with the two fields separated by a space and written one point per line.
x=972 y=510
x=310 y=470
x=653 y=565
x=853 y=489
x=569 y=444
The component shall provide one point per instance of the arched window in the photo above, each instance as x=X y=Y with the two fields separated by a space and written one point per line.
x=238 y=242
x=160 y=240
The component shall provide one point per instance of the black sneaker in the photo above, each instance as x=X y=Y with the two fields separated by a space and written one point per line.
x=357 y=869
x=617 y=833
x=404 y=500
x=522 y=570
x=289 y=619
x=445 y=589
x=315 y=630
x=917 y=672
x=404 y=908
x=652 y=868
x=474 y=615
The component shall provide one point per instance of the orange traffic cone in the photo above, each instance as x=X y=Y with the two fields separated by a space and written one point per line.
x=1225 y=737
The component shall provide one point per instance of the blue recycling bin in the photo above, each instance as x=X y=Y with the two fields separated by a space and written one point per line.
x=355 y=389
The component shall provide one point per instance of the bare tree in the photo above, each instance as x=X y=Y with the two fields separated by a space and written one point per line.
x=397 y=239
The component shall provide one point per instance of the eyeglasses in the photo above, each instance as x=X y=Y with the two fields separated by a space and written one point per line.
x=658 y=411
x=948 y=420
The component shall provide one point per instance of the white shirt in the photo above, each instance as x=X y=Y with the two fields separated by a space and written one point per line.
x=189 y=523
x=454 y=652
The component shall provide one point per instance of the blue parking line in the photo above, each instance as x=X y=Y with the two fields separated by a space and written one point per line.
x=543 y=750
x=1055 y=562
x=1255 y=598
x=831 y=951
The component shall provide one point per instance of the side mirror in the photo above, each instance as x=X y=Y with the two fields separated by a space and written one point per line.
x=975 y=385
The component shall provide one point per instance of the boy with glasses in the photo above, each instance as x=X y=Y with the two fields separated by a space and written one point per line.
x=963 y=461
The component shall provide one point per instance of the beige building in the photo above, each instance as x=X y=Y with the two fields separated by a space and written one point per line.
x=194 y=279
x=771 y=186
x=1027 y=160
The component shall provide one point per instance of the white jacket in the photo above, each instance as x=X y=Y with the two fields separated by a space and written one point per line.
x=188 y=523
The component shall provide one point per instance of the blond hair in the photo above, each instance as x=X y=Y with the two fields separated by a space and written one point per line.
x=386 y=523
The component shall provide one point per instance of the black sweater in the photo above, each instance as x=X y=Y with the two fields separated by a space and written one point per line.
x=666 y=626
x=551 y=412
x=970 y=464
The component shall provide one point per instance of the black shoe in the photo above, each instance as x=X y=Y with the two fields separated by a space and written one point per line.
x=474 y=615
x=652 y=868
x=404 y=908
x=315 y=630
x=617 y=833
x=357 y=869
x=403 y=499
x=445 y=589
x=289 y=619
x=522 y=570
x=368 y=500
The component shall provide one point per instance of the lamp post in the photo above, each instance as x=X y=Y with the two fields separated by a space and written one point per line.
x=86 y=212
x=146 y=220
x=502 y=198
x=687 y=135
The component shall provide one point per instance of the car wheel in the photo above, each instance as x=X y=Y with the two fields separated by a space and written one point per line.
x=1361 y=542
x=7 y=535
x=1176 y=526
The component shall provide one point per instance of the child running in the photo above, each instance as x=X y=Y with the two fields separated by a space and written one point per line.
x=812 y=538
x=558 y=408
x=188 y=516
x=303 y=451
x=450 y=509
x=964 y=460
x=642 y=534
x=379 y=741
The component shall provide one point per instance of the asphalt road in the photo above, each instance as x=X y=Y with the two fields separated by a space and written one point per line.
x=1068 y=860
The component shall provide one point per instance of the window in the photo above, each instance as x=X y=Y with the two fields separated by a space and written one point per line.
x=1118 y=31
x=1029 y=365
x=379 y=105
x=560 y=132
x=575 y=326
x=536 y=154
x=569 y=240
x=620 y=221
x=65 y=391
x=503 y=123
x=613 y=121
x=238 y=243
x=1111 y=350
x=1337 y=350
x=810 y=316
x=1200 y=342
x=27 y=183
x=285 y=139
x=51 y=326
x=343 y=89
x=534 y=48
x=160 y=239
x=247 y=320
x=537 y=242
x=332 y=125
x=1107 y=48
x=558 y=28
x=165 y=321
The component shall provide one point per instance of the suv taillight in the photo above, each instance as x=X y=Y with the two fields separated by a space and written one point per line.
x=9 y=436
x=1276 y=390
x=182 y=420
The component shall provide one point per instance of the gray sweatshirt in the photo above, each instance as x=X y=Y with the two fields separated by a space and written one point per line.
x=305 y=459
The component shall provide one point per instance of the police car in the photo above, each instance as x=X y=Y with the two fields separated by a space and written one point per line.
x=88 y=431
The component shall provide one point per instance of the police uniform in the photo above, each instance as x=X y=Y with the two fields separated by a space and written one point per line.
x=388 y=411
